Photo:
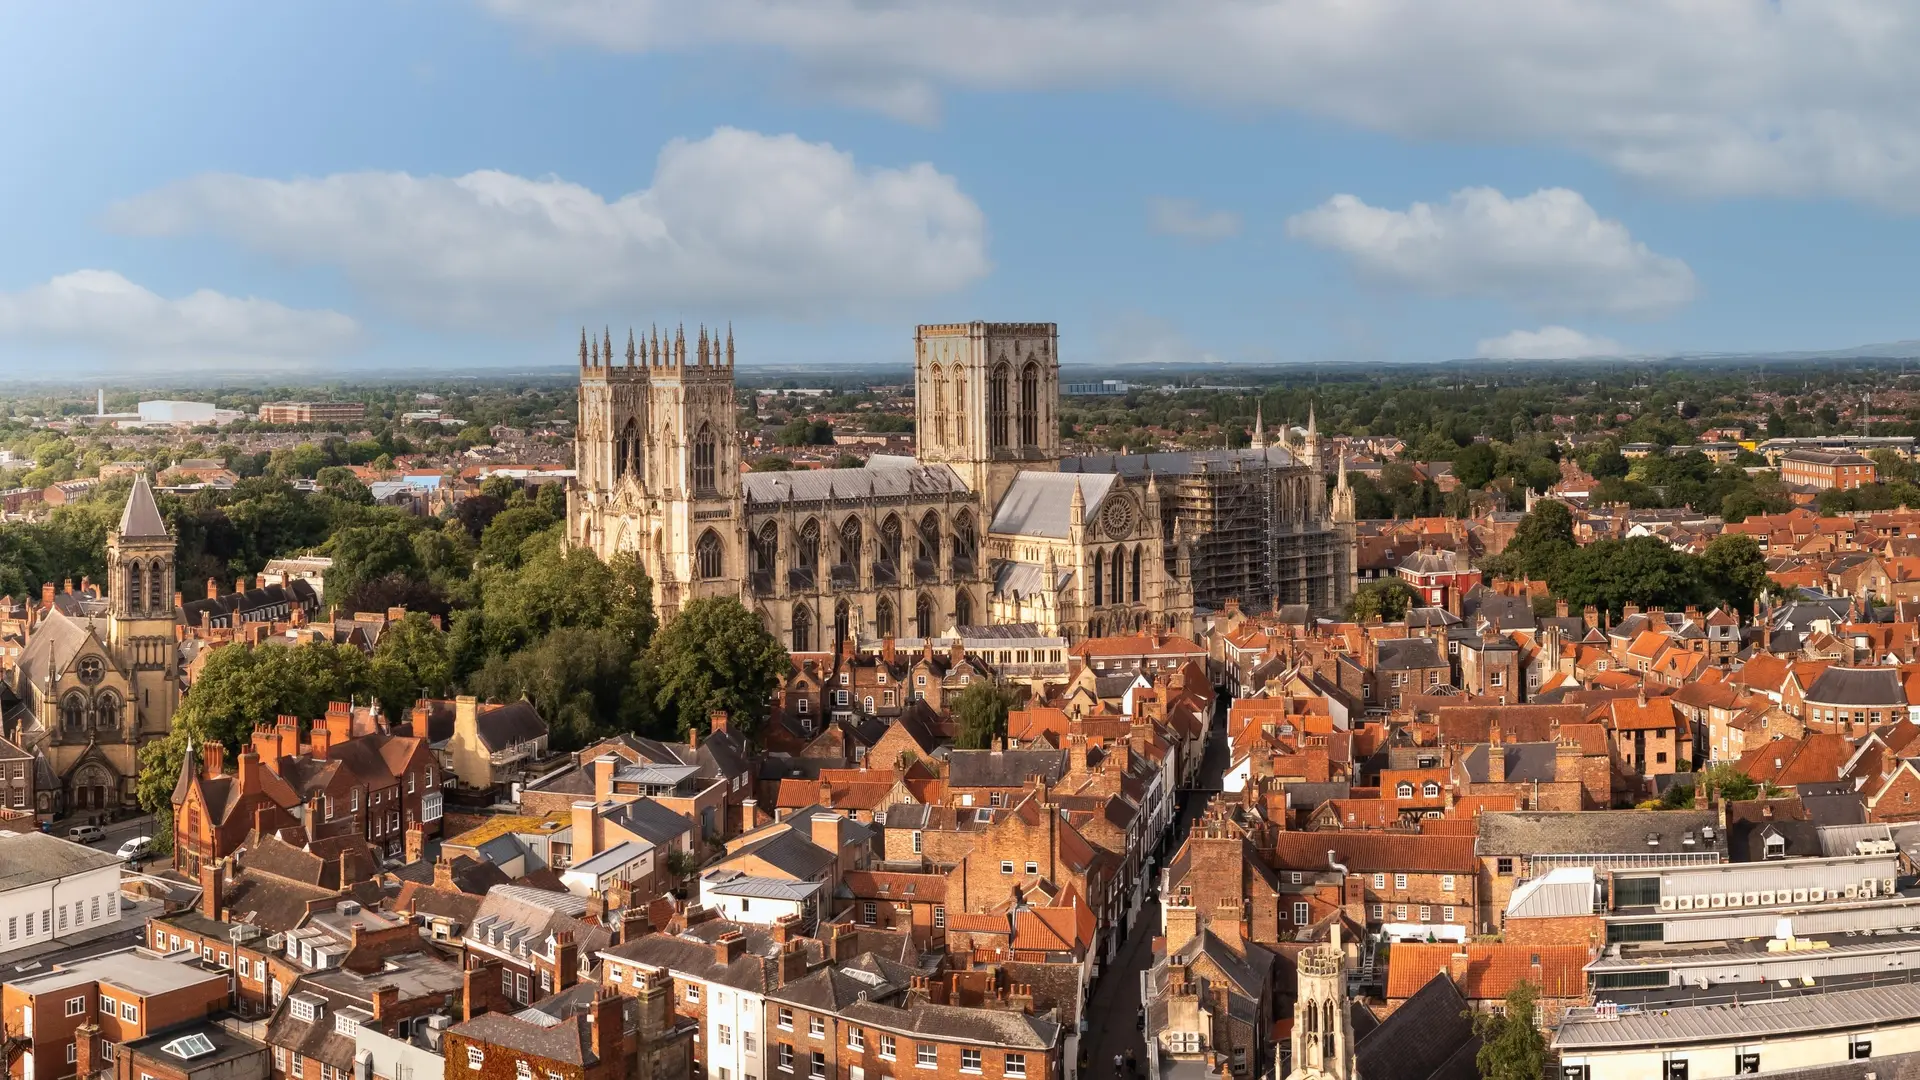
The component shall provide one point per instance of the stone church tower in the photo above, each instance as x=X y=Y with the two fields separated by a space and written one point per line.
x=145 y=609
x=985 y=401
x=1322 y=1028
x=658 y=463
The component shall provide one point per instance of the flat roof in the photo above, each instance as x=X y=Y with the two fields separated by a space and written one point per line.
x=1753 y=1019
x=138 y=971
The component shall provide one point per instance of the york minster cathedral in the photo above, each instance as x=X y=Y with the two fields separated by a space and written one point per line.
x=987 y=524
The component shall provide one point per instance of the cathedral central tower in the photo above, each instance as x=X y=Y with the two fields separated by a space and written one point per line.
x=985 y=400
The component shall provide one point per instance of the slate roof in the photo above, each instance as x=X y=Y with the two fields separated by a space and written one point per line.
x=509 y=725
x=1004 y=768
x=647 y=818
x=1871 y=687
x=1429 y=1037
x=1025 y=578
x=1401 y=654
x=141 y=519
x=1041 y=503
x=1184 y=462
x=790 y=851
x=31 y=858
x=565 y=1041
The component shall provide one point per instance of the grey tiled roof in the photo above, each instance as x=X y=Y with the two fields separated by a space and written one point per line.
x=1003 y=768
x=1873 y=687
x=1401 y=654
x=1178 y=463
x=1423 y=1039
x=141 y=519
x=823 y=485
x=1596 y=832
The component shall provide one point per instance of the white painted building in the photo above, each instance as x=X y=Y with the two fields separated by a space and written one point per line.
x=50 y=888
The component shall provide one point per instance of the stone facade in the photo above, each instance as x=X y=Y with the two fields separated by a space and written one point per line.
x=987 y=526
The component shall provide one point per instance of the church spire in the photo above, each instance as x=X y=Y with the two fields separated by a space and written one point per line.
x=141 y=519
x=1311 y=450
x=1259 y=441
x=1077 y=509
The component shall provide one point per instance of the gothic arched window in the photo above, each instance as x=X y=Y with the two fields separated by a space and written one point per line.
x=923 y=617
x=883 y=622
x=842 y=623
x=766 y=548
x=965 y=545
x=806 y=554
x=1030 y=405
x=706 y=453
x=626 y=452
x=928 y=539
x=802 y=628
x=962 y=608
x=850 y=542
x=136 y=590
x=106 y=710
x=709 y=560
x=1098 y=577
x=73 y=712
x=1136 y=575
x=156 y=586
x=1118 y=580
x=937 y=408
x=998 y=406
x=889 y=554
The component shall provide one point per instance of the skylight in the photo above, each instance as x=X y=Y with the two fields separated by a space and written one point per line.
x=188 y=1047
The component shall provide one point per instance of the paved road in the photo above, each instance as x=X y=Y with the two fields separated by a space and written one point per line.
x=1112 y=1011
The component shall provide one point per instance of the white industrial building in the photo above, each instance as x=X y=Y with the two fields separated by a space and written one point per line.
x=51 y=887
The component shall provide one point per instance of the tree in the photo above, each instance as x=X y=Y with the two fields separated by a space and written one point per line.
x=1735 y=570
x=1473 y=465
x=1540 y=542
x=1511 y=1046
x=714 y=657
x=1388 y=600
x=771 y=463
x=575 y=677
x=1640 y=570
x=244 y=685
x=501 y=544
x=981 y=710
x=411 y=662
x=365 y=552
x=1609 y=464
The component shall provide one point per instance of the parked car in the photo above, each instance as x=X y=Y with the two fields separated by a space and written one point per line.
x=136 y=849
x=86 y=834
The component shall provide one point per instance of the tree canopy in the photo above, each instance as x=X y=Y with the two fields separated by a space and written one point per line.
x=714 y=656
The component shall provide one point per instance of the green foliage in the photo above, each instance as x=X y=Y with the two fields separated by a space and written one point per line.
x=772 y=463
x=1609 y=464
x=981 y=712
x=243 y=685
x=1735 y=570
x=804 y=432
x=1611 y=574
x=1541 y=542
x=1388 y=599
x=502 y=544
x=363 y=553
x=714 y=656
x=575 y=676
x=1473 y=466
x=412 y=661
x=1511 y=1047
x=1725 y=779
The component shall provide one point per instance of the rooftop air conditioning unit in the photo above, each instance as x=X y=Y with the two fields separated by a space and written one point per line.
x=1887 y=886
x=1668 y=903
x=1686 y=903
x=1816 y=895
x=1766 y=896
x=1733 y=899
x=1799 y=896
x=1853 y=892
x=1719 y=899
x=1753 y=899
x=1870 y=888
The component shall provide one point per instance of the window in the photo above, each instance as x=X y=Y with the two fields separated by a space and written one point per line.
x=1859 y=1049
x=1403 y=790
x=476 y=1057
x=1302 y=912
x=1673 y=1069
x=817 y=1065
x=299 y=1066
x=969 y=1060
x=1006 y=866
x=280 y=1057
x=1430 y=790
x=939 y=917
x=129 y=1011
x=1400 y=912
x=786 y=1057
x=746 y=1040
x=705 y=455
x=75 y=1006
x=886 y=1046
x=1033 y=868
x=1446 y=882
x=523 y=1069
x=1379 y=881
x=1746 y=1062
x=725 y=1035
x=1426 y=913
x=72 y=1053
x=1399 y=881
x=1503 y=865
x=1446 y=914
x=856 y=1039
x=869 y=912
x=926 y=1057
x=707 y=556
x=1379 y=911
x=1014 y=1065
x=816 y=1027
x=916 y=841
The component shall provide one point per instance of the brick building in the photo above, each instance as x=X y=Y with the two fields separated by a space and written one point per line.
x=1827 y=470
x=77 y=1014
x=312 y=412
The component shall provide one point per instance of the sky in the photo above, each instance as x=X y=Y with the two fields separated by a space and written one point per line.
x=452 y=184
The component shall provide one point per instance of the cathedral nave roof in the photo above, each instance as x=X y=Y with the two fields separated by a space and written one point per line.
x=888 y=481
x=1041 y=503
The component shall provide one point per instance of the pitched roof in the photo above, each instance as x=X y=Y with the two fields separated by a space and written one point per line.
x=1369 y=852
x=1041 y=503
x=1870 y=687
x=1429 y=1037
x=1492 y=968
x=141 y=519
x=1596 y=832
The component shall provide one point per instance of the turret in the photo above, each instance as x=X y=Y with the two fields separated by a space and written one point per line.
x=1259 y=441
x=629 y=346
x=583 y=347
x=1310 y=452
x=1077 y=509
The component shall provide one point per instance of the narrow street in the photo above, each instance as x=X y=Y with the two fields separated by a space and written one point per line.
x=1115 y=1004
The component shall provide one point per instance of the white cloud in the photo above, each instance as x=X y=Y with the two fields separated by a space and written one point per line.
x=1548 y=251
x=102 y=310
x=1548 y=343
x=1724 y=97
x=737 y=222
x=1188 y=220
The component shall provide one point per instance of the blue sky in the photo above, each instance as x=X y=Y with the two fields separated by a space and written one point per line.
x=439 y=183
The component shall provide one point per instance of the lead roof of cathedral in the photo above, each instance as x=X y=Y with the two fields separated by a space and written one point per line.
x=1041 y=503
x=1177 y=462
x=822 y=485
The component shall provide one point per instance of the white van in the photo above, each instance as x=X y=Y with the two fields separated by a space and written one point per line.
x=136 y=849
